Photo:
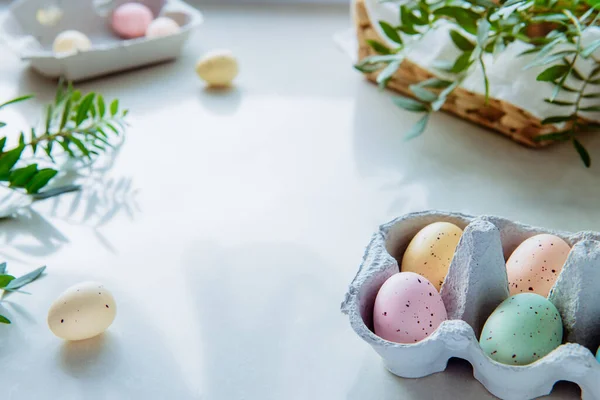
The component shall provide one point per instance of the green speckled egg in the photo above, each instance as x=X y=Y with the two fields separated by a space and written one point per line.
x=521 y=330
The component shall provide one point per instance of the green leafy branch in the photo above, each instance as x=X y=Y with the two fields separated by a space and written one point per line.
x=8 y=283
x=80 y=126
x=482 y=26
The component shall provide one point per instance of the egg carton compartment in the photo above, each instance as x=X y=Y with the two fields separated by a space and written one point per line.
x=32 y=41
x=475 y=285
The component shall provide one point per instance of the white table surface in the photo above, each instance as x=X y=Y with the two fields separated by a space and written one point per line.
x=234 y=222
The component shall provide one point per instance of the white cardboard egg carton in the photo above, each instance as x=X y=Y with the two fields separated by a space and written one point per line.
x=475 y=285
x=32 y=41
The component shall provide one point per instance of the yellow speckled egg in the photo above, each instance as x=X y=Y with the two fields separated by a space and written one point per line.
x=431 y=250
x=82 y=311
x=535 y=264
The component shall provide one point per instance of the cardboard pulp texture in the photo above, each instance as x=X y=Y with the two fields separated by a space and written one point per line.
x=32 y=40
x=475 y=285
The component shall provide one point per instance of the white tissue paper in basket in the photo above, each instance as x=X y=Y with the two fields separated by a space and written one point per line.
x=508 y=79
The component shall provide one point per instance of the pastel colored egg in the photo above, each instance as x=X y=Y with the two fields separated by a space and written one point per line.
x=522 y=329
x=131 y=20
x=536 y=263
x=407 y=309
x=431 y=251
x=217 y=68
x=83 y=311
x=71 y=42
x=162 y=26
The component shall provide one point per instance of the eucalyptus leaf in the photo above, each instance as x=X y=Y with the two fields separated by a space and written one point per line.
x=25 y=279
x=417 y=129
x=556 y=119
x=4 y=320
x=591 y=48
x=556 y=136
x=375 y=45
x=461 y=42
x=409 y=104
x=462 y=63
x=40 y=180
x=423 y=94
x=387 y=73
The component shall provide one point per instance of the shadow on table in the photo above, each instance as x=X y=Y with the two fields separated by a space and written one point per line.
x=265 y=315
x=454 y=158
x=456 y=382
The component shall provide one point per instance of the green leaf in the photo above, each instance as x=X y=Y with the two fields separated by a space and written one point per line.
x=423 y=94
x=114 y=106
x=5 y=280
x=101 y=106
x=40 y=180
x=553 y=73
x=389 y=31
x=49 y=114
x=551 y=17
x=80 y=146
x=408 y=29
x=4 y=320
x=559 y=102
x=375 y=45
x=125 y=112
x=590 y=108
x=2 y=143
x=9 y=159
x=550 y=59
x=409 y=104
x=434 y=83
x=22 y=139
x=16 y=100
x=112 y=128
x=591 y=95
x=76 y=96
x=461 y=42
x=83 y=108
x=483 y=31
x=585 y=156
x=591 y=48
x=466 y=18
x=33 y=141
x=556 y=136
x=65 y=114
x=462 y=63
x=21 y=176
x=557 y=119
x=25 y=279
x=387 y=73
x=2 y=124
x=486 y=81
x=417 y=128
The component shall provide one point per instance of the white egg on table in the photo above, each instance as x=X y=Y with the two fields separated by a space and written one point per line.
x=71 y=42
x=217 y=68
x=82 y=311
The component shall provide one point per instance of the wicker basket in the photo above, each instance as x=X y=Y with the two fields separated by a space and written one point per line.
x=503 y=117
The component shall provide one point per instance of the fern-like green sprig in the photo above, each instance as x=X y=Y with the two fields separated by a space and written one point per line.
x=483 y=26
x=80 y=126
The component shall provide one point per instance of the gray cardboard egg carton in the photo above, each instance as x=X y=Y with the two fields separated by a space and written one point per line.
x=32 y=41
x=476 y=283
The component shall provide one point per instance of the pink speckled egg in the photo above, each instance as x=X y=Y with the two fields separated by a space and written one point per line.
x=131 y=20
x=535 y=264
x=407 y=309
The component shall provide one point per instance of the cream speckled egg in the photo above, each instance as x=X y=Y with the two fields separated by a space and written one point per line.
x=431 y=250
x=162 y=26
x=71 y=42
x=217 y=68
x=535 y=264
x=82 y=311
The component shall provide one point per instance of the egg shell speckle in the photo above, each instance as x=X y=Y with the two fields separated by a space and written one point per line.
x=524 y=328
x=82 y=311
x=431 y=250
x=536 y=263
x=407 y=309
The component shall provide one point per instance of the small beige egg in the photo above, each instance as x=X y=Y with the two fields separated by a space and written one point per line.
x=162 y=26
x=217 y=68
x=49 y=16
x=431 y=251
x=82 y=311
x=71 y=42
